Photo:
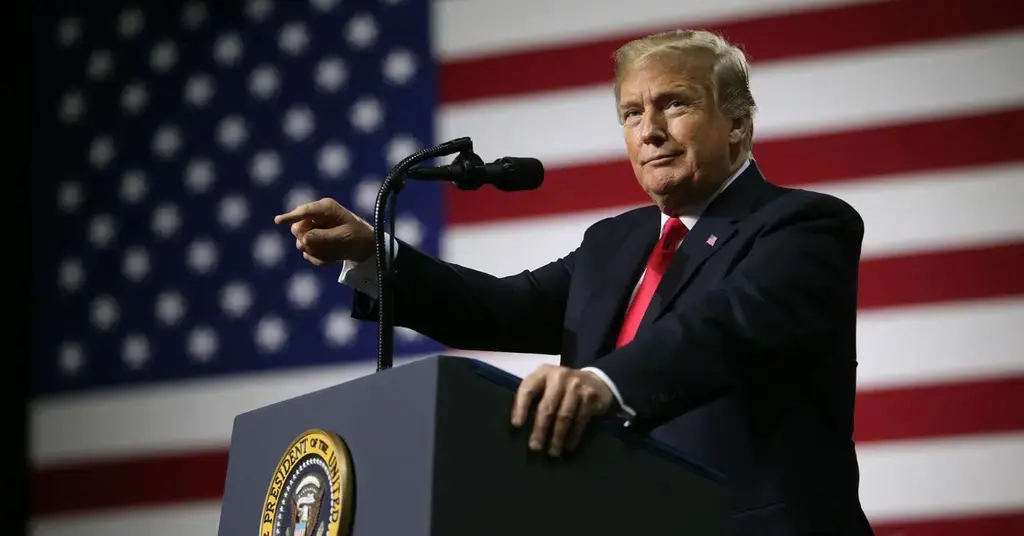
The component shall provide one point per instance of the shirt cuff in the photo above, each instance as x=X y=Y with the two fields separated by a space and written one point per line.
x=627 y=411
x=362 y=276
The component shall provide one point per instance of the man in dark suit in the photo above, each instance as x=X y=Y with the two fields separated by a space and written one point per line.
x=721 y=320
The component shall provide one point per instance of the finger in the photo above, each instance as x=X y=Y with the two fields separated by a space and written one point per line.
x=313 y=260
x=589 y=405
x=554 y=390
x=529 y=388
x=302 y=212
x=301 y=227
x=565 y=416
x=298 y=213
x=318 y=238
x=326 y=243
x=579 y=425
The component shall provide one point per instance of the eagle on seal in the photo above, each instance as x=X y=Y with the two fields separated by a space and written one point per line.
x=305 y=510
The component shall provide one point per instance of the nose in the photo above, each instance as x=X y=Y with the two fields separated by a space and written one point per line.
x=652 y=129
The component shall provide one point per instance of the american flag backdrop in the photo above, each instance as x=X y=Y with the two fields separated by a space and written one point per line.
x=168 y=135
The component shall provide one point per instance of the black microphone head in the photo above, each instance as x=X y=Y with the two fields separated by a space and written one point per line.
x=519 y=174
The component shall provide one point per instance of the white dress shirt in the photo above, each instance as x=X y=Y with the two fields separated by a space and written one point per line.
x=363 y=276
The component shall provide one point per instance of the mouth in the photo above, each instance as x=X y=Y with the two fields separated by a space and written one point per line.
x=661 y=159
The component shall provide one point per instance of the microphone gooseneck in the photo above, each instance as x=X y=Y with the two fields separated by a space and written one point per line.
x=389 y=189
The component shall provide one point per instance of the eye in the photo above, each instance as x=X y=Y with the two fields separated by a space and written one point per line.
x=628 y=114
x=676 y=103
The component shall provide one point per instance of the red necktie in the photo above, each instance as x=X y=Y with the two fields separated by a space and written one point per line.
x=671 y=234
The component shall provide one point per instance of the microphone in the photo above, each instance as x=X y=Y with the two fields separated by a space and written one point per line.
x=469 y=172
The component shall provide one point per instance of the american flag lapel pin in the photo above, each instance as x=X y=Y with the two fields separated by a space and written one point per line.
x=711 y=240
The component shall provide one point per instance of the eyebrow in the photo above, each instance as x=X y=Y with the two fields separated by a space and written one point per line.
x=676 y=91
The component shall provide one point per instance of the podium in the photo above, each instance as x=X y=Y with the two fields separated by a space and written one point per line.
x=426 y=449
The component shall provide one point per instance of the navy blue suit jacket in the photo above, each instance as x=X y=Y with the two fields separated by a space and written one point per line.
x=745 y=360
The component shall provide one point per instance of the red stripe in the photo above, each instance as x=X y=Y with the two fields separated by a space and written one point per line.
x=805 y=33
x=992 y=525
x=139 y=482
x=920 y=412
x=940 y=410
x=835 y=157
x=943 y=276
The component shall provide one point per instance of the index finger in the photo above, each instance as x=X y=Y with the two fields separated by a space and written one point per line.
x=298 y=213
x=529 y=388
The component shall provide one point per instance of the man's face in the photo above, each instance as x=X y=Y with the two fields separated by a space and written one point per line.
x=680 y=144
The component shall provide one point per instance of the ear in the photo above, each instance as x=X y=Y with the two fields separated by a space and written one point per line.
x=740 y=129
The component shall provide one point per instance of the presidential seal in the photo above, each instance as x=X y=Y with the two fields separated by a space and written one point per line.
x=311 y=491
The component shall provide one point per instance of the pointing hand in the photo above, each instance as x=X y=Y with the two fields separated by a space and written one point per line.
x=326 y=232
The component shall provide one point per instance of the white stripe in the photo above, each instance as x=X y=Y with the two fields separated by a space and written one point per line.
x=953 y=208
x=902 y=214
x=943 y=477
x=916 y=345
x=470 y=28
x=833 y=92
x=923 y=479
x=949 y=342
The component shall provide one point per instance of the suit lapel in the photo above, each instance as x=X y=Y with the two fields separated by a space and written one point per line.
x=626 y=256
x=713 y=230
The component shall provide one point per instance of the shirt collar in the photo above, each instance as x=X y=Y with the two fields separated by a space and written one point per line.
x=690 y=219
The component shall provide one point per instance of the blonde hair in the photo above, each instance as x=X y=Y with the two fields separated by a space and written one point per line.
x=730 y=76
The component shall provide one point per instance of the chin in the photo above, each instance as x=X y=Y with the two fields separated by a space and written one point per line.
x=665 y=182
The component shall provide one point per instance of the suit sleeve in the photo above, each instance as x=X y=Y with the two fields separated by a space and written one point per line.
x=472 y=310
x=795 y=287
